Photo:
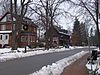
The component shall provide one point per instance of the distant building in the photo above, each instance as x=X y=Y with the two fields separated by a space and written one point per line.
x=28 y=33
x=60 y=37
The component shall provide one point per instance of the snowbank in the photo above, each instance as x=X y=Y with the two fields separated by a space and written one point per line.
x=93 y=66
x=57 y=68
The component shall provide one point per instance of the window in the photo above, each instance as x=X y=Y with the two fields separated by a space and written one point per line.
x=9 y=17
x=33 y=39
x=6 y=37
x=34 y=29
x=0 y=37
x=3 y=27
x=24 y=38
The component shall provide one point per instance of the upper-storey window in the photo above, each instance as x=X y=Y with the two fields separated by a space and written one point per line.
x=34 y=29
x=0 y=37
x=3 y=27
x=9 y=17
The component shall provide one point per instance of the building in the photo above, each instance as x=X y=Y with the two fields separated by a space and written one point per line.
x=28 y=32
x=60 y=37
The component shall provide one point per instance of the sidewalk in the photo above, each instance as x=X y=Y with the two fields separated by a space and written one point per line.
x=77 y=68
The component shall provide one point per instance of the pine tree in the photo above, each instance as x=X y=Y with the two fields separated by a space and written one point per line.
x=83 y=34
x=76 y=33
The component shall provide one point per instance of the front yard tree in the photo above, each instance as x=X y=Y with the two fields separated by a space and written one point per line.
x=18 y=10
x=48 y=10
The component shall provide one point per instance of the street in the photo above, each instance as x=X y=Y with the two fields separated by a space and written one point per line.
x=28 y=65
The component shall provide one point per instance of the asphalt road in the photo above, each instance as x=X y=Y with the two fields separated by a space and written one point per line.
x=28 y=65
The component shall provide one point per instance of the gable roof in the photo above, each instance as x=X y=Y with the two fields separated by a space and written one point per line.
x=61 y=31
x=24 y=22
x=4 y=15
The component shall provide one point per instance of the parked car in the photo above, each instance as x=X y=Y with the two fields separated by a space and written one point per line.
x=66 y=45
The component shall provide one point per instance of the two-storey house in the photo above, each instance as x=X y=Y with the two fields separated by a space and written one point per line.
x=28 y=33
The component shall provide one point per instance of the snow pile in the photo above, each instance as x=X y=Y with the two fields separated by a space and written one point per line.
x=57 y=68
x=94 y=65
x=4 y=50
x=97 y=49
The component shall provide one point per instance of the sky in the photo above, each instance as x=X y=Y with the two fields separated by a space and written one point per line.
x=0 y=11
x=66 y=22
x=63 y=22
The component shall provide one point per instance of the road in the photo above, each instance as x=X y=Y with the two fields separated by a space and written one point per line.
x=28 y=65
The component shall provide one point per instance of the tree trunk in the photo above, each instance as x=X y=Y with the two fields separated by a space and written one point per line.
x=51 y=33
x=97 y=12
x=47 y=27
x=14 y=47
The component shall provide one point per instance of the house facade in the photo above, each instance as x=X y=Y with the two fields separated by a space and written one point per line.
x=27 y=36
x=60 y=37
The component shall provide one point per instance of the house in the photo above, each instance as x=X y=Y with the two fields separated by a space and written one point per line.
x=60 y=37
x=28 y=33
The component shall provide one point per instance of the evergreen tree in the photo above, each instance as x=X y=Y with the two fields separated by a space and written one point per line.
x=83 y=34
x=79 y=36
x=76 y=33
x=76 y=25
x=93 y=39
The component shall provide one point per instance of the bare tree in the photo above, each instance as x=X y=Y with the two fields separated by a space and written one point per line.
x=18 y=11
x=48 y=10
x=87 y=9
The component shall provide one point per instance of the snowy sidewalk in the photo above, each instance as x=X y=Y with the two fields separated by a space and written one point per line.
x=58 y=67
x=77 y=68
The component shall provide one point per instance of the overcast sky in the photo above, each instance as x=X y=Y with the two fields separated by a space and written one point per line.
x=64 y=22
x=0 y=11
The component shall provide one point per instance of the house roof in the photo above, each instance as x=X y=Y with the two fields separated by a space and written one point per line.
x=62 y=31
x=4 y=15
x=26 y=19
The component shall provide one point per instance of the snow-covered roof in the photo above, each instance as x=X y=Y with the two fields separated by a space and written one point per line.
x=62 y=31
x=5 y=32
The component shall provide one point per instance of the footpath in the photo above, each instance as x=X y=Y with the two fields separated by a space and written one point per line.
x=77 y=68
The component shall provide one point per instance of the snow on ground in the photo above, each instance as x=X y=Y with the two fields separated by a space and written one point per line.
x=8 y=54
x=4 y=50
x=94 y=65
x=57 y=67
x=54 y=69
